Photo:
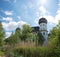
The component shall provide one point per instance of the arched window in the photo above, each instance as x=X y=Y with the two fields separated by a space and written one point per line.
x=43 y=33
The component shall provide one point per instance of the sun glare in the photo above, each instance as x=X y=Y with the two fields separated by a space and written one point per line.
x=43 y=2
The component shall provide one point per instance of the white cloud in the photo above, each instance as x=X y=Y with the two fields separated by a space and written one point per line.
x=8 y=12
x=43 y=2
x=50 y=19
x=58 y=11
x=21 y=23
x=19 y=17
x=43 y=10
x=8 y=34
x=57 y=17
x=46 y=14
x=11 y=26
x=7 y=18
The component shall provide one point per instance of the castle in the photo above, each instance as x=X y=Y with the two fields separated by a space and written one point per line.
x=42 y=28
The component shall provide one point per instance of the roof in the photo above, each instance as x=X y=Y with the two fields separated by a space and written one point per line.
x=42 y=20
x=17 y=28
x=35 y=29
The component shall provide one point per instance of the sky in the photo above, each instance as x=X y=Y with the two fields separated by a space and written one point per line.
x=15 y=13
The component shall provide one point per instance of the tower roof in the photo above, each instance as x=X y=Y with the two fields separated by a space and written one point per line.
x=35 y=29
x=18 y=29
x=42 y=20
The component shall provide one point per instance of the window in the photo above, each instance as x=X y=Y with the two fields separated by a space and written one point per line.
x=43 y=33
x=43 y=24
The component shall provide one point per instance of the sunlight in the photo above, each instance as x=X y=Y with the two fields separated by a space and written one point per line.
x=43 y=2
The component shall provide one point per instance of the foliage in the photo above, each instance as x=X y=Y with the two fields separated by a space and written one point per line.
x=53 y=32
x=52 y=50
x=26 y=32
x=14 y=38
x=2 y=35
x=40 y=38
x=55 y=36
x=2 y=53
x=54 y=42
x=36 y=52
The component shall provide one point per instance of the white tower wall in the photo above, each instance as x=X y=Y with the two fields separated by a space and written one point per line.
x=43 y=30
x=43 y=26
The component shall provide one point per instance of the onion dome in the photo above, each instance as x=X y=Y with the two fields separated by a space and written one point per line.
x=42 y=20
x=18 y=29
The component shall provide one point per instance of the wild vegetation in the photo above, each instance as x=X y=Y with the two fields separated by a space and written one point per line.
x=24 y=43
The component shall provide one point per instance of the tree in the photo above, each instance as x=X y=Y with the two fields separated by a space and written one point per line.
x=18 y=33
x=53 y=32
x=2 y=35
x=55 y=36
x=15 y=37
x=54 y=42
x=40 y=38
x=26 y=32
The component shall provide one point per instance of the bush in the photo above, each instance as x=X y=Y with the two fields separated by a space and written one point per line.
x=2 y=53
x=36 y=52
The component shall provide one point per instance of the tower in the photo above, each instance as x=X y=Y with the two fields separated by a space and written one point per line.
x=43 y=28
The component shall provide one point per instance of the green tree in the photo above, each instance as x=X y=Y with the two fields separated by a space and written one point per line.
x=14 y=37
x=26 y=32
x=55 y=36
x=53 y=32
x=54 y=42
x=2 y=35
x=40 y=38
x=18 y=33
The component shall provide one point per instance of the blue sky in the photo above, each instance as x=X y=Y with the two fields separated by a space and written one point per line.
x=15 y=13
